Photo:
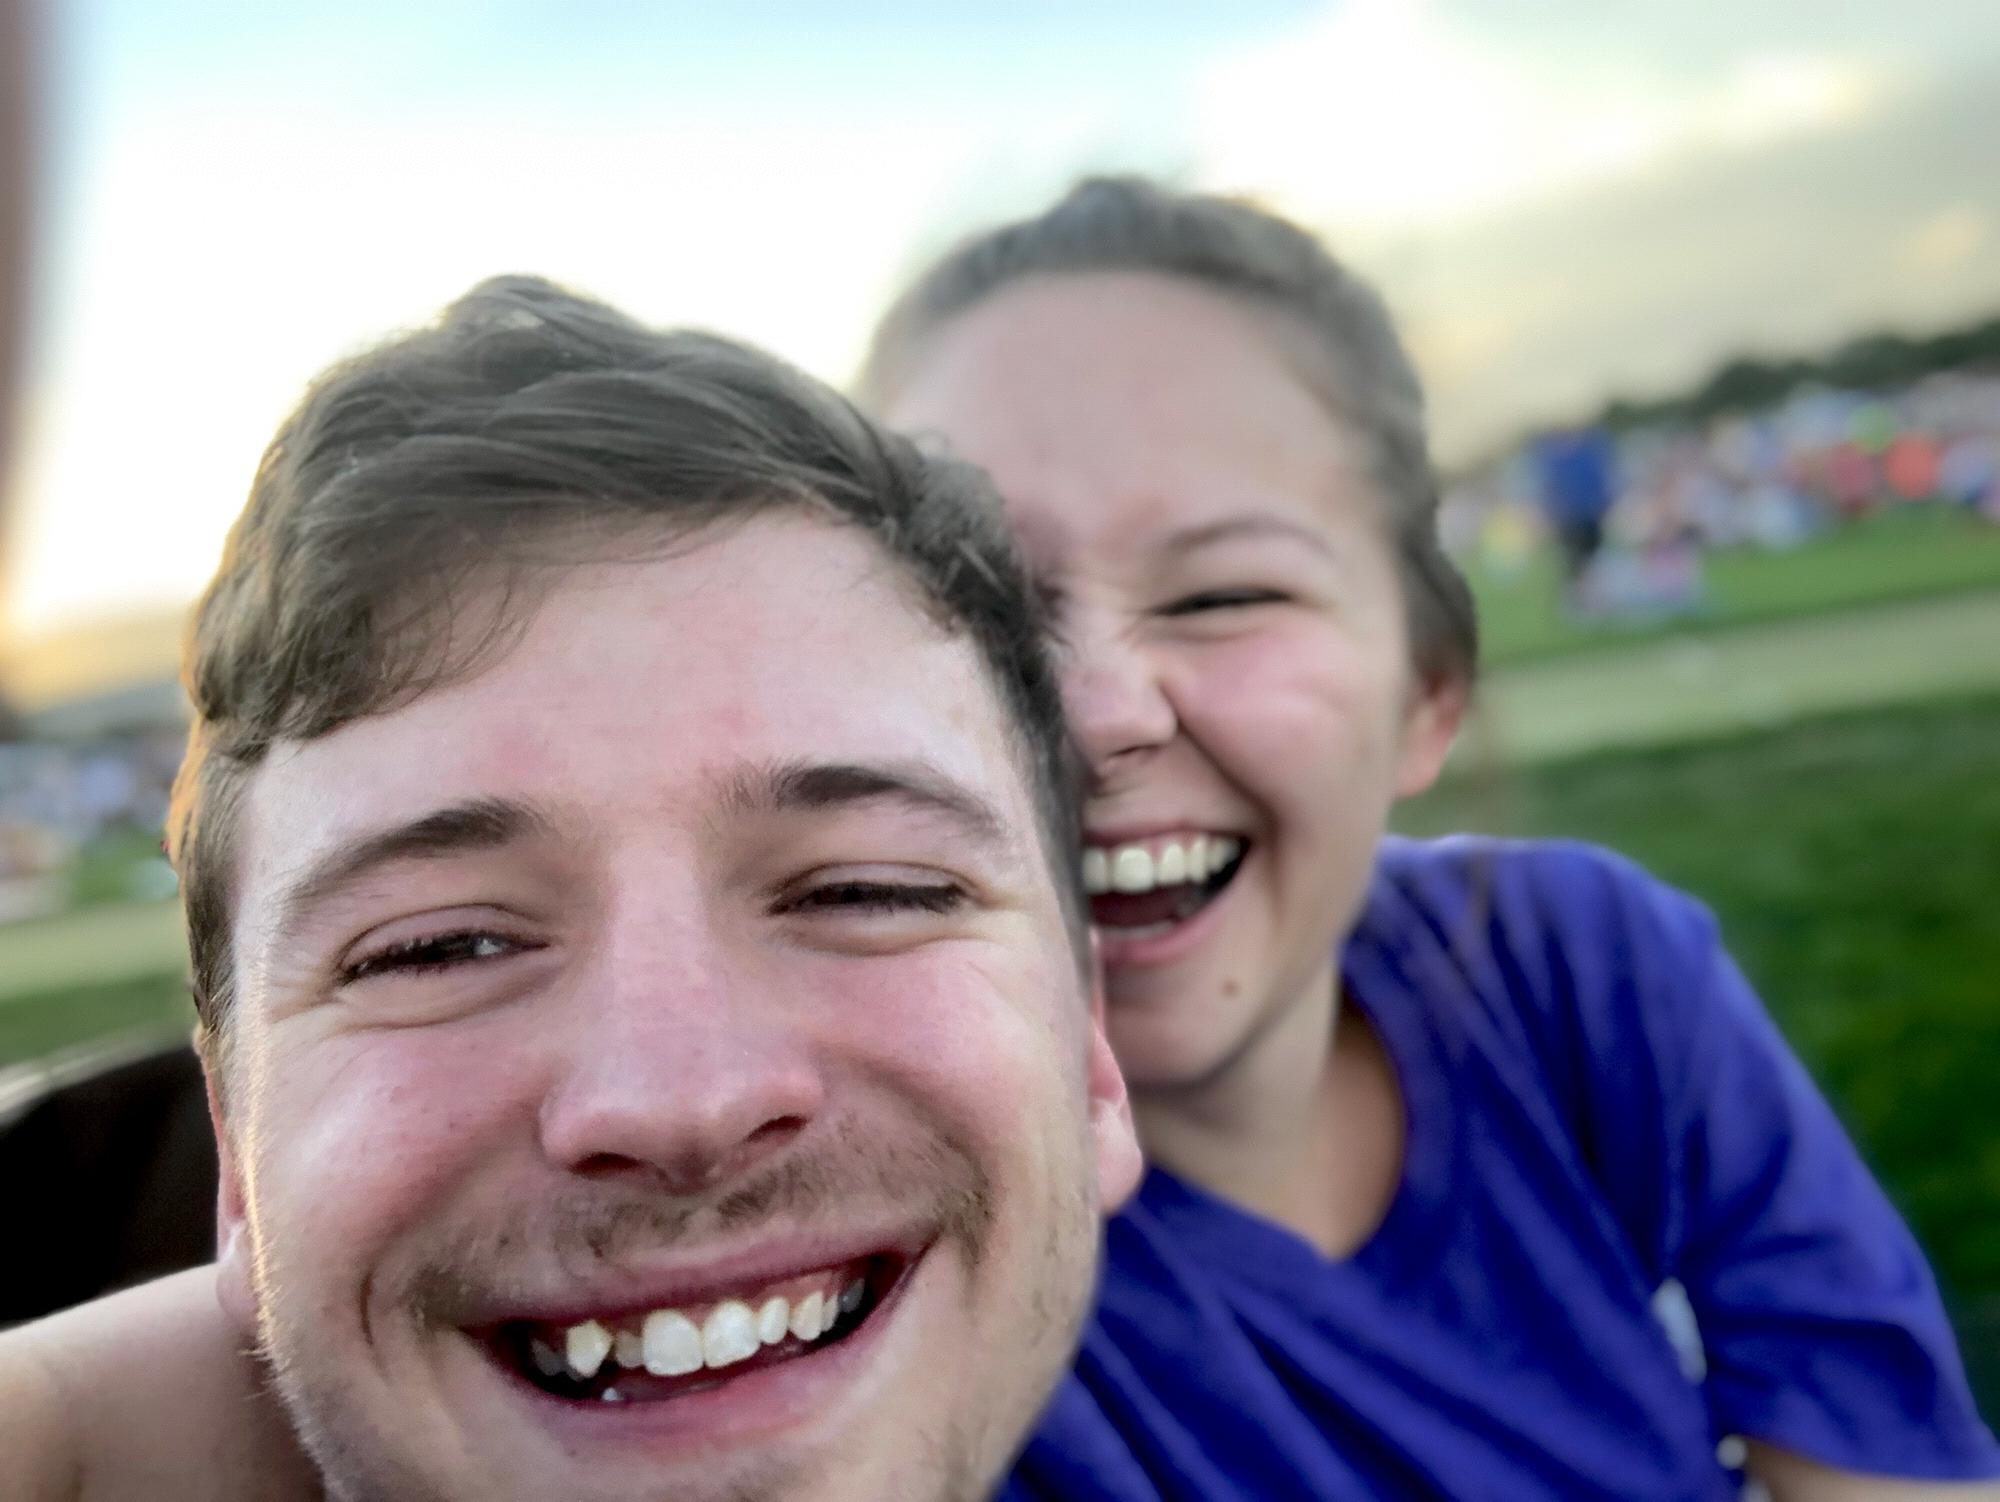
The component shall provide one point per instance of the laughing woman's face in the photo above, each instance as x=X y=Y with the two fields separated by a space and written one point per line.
x=1238 y=665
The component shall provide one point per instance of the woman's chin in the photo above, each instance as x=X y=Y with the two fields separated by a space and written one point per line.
x=1167 y=1054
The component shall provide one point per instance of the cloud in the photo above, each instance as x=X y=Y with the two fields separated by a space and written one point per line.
x=1643 y=285
x=1382 y=114
x=1558 y=216
x=215 y=267
x=1946 y=241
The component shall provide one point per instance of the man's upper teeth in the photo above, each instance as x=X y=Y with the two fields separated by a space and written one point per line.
x=1141 y=867
x=673 y=1342
x=628 y=1348
x=729 y=1334
x=805 y=1321
x=585 y=1346
x=773 y=1321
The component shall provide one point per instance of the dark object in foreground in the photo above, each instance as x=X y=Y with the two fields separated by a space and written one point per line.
x=111 y=1181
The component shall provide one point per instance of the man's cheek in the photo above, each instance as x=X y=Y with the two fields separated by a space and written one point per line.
x=981 y=1034
x=380 y=1134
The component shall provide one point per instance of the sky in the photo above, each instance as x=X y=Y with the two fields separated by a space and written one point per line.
x=1563 y=200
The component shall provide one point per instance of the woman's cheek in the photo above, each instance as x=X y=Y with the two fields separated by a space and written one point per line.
x=1289 y=689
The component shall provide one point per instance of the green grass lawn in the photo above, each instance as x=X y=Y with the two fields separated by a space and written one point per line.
x=1854 y=863
x=89 y=947
x=1896 y=556
x=47 y=1022
x=1680 y=687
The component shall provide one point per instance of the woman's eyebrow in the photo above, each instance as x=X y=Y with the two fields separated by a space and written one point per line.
x=1247 y=524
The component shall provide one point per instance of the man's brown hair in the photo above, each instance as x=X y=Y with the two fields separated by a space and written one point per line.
x=409 y=515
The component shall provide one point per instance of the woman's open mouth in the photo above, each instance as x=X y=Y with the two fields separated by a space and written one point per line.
x=649 y=1355
x=1141 y=889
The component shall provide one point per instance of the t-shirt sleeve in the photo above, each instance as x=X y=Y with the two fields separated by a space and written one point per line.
x=1821 y=1322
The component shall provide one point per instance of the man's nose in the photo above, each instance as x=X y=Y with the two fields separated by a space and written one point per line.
x=684 y=1063
x=1118 y=704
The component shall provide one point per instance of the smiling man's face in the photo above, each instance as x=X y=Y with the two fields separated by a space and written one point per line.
x=660 y=1066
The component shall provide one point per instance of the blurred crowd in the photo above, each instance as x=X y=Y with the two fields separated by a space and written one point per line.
x=1634 y=513
x=82 y=822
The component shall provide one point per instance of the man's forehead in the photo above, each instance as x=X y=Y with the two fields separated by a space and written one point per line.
x=671 y=680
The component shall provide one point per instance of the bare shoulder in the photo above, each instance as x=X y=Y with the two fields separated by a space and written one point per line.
x=35 y=1436
x=1793 y=1478
x=147 y=1393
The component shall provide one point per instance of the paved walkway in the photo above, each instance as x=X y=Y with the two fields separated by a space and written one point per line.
x=1695 y=687
x=96 y=945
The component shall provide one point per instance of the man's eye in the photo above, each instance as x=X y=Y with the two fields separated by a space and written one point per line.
x=876 y=897
x=431 y=953
x=1222 y=599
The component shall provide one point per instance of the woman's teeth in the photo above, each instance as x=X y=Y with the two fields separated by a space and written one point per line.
x=1145 y=866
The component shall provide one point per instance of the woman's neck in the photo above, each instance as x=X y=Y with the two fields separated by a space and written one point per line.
x=1239 y=1130
x=1305 y=1126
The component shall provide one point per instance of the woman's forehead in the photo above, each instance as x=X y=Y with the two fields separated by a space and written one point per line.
x=1133 y=375
x=1160 y=332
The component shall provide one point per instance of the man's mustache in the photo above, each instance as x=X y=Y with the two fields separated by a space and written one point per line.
x=576 y=1233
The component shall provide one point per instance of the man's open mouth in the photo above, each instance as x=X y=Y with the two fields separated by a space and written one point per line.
x=647 y=1355
x=1142 y=888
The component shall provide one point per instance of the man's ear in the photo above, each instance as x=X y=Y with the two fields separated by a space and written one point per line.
x=1115 y=1138
x=1430 y=725
x=235 y=1285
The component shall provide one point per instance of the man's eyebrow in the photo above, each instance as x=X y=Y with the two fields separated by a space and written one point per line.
x=806 y=786
x=476 y=824
x=1245 y=524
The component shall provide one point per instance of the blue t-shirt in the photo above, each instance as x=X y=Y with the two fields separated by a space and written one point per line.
x=1597 y=1106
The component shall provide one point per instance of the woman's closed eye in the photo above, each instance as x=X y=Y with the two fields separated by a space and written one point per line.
x=433 y=953
x=1224 y=599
